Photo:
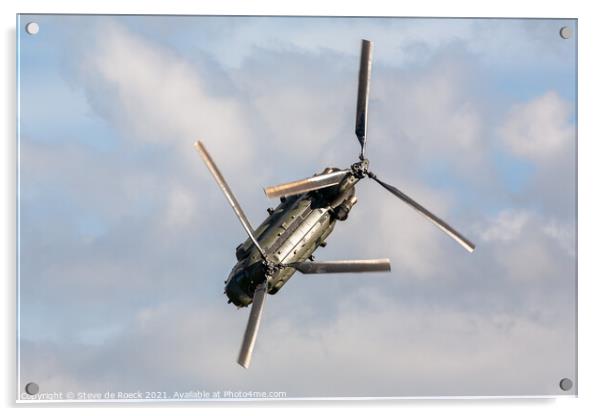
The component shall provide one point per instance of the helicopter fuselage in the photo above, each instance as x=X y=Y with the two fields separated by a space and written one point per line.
x=290 y=234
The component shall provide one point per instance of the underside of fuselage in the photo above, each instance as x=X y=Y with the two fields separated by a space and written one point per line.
x=291 y=233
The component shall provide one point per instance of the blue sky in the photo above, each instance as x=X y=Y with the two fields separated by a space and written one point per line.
x=125 y=240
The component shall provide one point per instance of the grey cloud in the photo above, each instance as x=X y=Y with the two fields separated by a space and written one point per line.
x=382 y=349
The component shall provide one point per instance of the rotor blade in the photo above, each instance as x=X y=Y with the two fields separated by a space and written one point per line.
x=448 y=229
x=363 y=90
x=343 y=266
x=229 y=195
x=305 y=185
x=248 y=342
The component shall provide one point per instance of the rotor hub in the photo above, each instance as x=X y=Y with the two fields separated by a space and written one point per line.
x=360 y=169
x=271 y=268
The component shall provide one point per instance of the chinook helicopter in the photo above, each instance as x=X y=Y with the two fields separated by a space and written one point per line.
x=308 y=211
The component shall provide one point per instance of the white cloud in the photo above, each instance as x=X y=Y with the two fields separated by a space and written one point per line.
x=542 y=133
x=399 y=42
x=564 y=234
x=418 y=249
x=506 y=226
x=182 y=208
x=156 y=96
x=429 y=116
x=381 y=348
x=539 y=129
x=528 y=246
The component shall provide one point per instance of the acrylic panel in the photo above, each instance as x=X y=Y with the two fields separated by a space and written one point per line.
x=125 y=241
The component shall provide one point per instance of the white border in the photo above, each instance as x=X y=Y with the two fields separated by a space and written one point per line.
x=300 y=399
x=590 y=153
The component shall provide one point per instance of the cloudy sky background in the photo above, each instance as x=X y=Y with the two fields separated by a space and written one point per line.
x=125 y=240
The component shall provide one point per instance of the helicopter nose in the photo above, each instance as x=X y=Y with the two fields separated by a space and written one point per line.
x=236 y=294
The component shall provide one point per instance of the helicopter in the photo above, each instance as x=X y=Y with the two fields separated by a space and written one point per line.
x=309 y=208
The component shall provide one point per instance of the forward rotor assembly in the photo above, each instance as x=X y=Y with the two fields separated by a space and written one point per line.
x=360 y=169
